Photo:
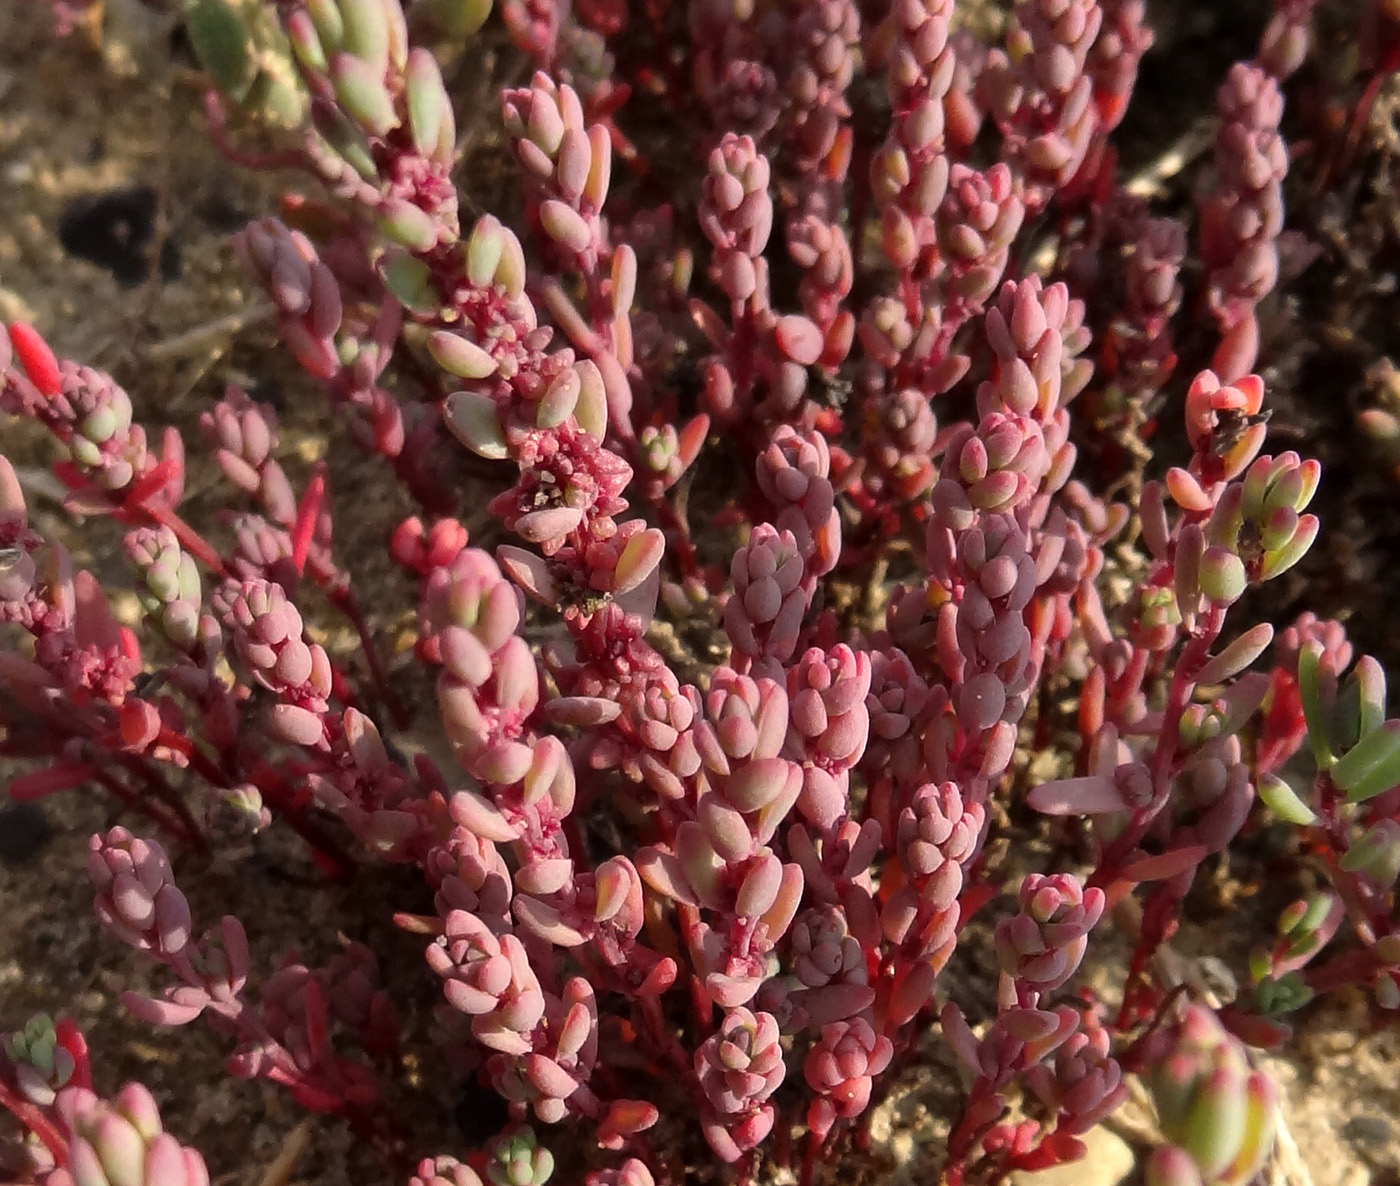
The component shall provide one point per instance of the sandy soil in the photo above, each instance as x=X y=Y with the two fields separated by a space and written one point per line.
x=78 y=120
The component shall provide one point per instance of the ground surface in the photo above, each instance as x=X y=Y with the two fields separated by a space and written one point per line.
x=77 y=122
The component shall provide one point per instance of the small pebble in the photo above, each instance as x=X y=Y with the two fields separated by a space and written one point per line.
x=116 y=230
x=25 y=832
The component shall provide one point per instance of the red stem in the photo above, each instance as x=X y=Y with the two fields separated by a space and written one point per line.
x=344 y=600
x=1390 y=62
x=36 y=1122
x=303 y=528
x=189 y=538
x=198 y=760
x=169 y=796
x=678 y=535
x=1168 y=743
x=1351 y=967
x=218 y=133
x=279 y=796
x=169 y=823
x=330 y=855
x=662 y=1039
